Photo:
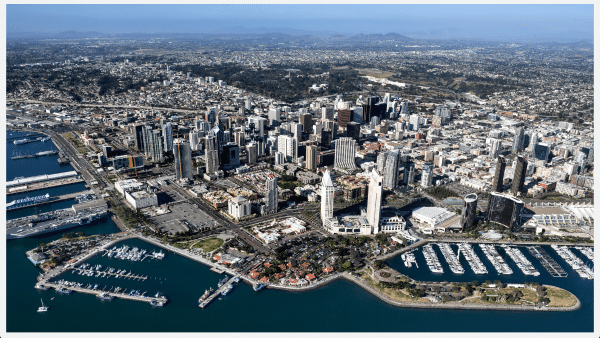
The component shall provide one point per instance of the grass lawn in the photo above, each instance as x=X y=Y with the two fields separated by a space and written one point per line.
x=208 y=245
x=559 y=297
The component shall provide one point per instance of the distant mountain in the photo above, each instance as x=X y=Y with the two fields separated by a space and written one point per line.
x=380 y=37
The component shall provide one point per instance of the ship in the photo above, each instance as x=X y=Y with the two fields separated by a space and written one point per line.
x=105 y=296
x=41 y=287
x=205 y=295
x=55 y=225
x=22 y=141
x=158 y=255
x=63 y=290
x=258 y=286
x=42 y=308
x=28 y=201
x=47 y=153
x=227 y=290
x=156 y=303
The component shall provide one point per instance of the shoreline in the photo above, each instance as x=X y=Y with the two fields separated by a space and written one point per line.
x=326 y=281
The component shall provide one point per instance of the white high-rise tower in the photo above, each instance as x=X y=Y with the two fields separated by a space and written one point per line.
x=327 y=197
x=345 y=148
x=374 y=200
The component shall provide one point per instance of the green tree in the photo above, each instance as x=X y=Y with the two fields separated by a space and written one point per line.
x=379 y=264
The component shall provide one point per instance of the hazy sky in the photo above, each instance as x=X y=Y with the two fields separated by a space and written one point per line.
x=527 y=22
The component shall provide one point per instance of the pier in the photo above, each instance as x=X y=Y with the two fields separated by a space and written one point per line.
x=432 y=259
x=473 y=260
x=44 y=185
x=141 y=298
x=106 y=273
x=497 y=260
x=523 y=263
x=547 y=262
x=217 y=293
x=451 y=258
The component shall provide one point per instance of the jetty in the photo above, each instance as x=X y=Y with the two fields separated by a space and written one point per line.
x=217 y=293
x=547 y=262
x=523 y=263
x=472 y=258
x=497 y=260
x=451 y=258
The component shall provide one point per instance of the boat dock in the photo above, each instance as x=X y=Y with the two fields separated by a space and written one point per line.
x=575 y=262
x=217 y=270
x=587 y=251
x=472 y=258
x=497 y=260
x=523 y=263
x=547 y=262
x=217 y=293
x=451 y=258
x=432 y=259
x=106 y=273
x=97 y=293
x=40 y=154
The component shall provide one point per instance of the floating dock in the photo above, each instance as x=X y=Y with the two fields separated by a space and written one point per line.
x=162 y=300
x=547 y=262
x=107 y=274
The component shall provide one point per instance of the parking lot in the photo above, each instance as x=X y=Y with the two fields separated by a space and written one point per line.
x=183 y=217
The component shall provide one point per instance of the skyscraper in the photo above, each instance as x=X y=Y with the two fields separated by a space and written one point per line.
x=194 y=141
x=231 y=155
x=272 y=198
x=252 y=150
x=374 y=200
x=409 y=173
x=353 y=130
x=211 y=153
x=327 y=113
x=427 y=175
x=495 y=147
x=390 y=171
x=288 y=146
x=153 y=144
x=183 y=159
x=344 y=117
x=327 y=195
x=467 y=217
x=414 y=122
x=381 y=158
x=499 y=174
x=519 y=176
x=505 y=210
x=274 y=116
x=168 y=136
x=306 y=120
x=139 y=137
x=311 y=157
x=518 y=140
x=345 y=148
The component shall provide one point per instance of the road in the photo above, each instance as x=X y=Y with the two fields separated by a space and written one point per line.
x=112 y=106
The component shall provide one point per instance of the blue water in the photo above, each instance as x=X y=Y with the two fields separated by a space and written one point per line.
x=338 y=307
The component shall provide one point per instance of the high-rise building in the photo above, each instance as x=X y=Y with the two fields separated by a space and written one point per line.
x=374 y=200
x=409 y=173
x=326 y=137
x=495 y=148
x=274 y=116
x=505 y=210
x=327 y=113
x=427 y=175
x=195 y=140
x=139 y=137
x=345 y=148
x=311 y=157
x=414 y=122
x=353 y=130
x=467 y=217
x=331 y=125
x=306 y=120
x=344 y=117
x=183 y=159
x=390 y=171
x=239 y=138
x=499 y=174
x=153 y=148
x=540 y=151
x=288 y=146
x=259 y=124
x=212 y=153
x=518 y=140
x=272 y=198
x=279 y=158
x=168 y=136
x=381 y=158
x=252 y=150
x=231 y=155
x=297 y=131
x=219 y=138
x=211 y=116
x=327 y=195
x=107 y=150
x=519 y=176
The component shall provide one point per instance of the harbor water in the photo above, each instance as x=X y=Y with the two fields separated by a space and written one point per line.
x=340 y=306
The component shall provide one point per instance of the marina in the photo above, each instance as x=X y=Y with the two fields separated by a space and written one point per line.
x=496 y=260
x=451 y=258
x=432 y=260
x=547 y=262
x=575 y=262
x=134 y=255
x=474 y=261
x=523 y=263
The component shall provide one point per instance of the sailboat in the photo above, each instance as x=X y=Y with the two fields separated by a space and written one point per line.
x=42 y=308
